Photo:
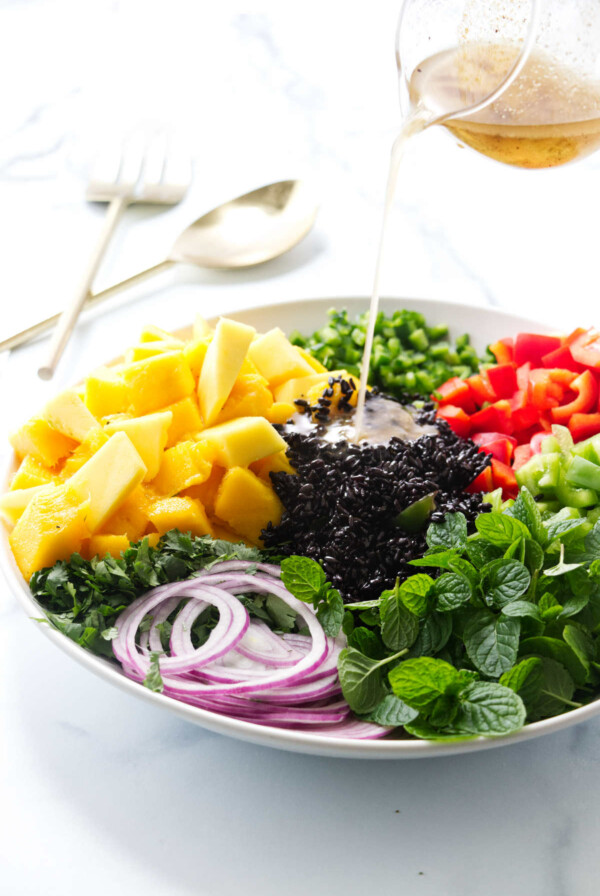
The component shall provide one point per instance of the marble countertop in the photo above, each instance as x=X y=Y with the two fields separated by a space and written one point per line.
x=100 y=792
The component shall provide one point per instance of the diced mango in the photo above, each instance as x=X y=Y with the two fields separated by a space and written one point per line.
x=224 y=358
x=206 y=492
x=157 y=334
x=94 y=440
x=68 y=415
x=316 y=365
x=186 y=419
x=195 y=353
x=249 y=397
x=31 y=472
x=131 y=517
x=185 y=514
x=246 y=503
x=149 y=437
x=298 y=387
x=201 y=327
x=149 y=349
x=225 y=533
x=14 y=503
x=153 y=538
x=108 y=477
x=45 y=443
x=280 y=412
x=274 y=463
x=277 y=359
x=101 y=545
x=52 y=527
x=157 y=381
x=239 y=442
x=181 y=467
x=106 y=393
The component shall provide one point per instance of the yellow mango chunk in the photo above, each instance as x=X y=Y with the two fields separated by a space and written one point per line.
x=299 y=386
x=185 y=420
x=67 y=414
x=277 y=359
x=274 y=463
x=101 y=545
x=148 y=349
x=108 y=477
x=106 y=393
x=94 y=440
x=206 y=492
x=185 y=514
x=280 y=412
x=52 y=527
x=31 y=472
x=131 y=518
x=239 y=442
x=14 y=503
x=156 y=334
x=316 y=365
x=195 y=353
x=42 y=441
x=246 y=503
x=182 y=466
x=149 y=437
x=224 y=358
x=153 y=538
x=201 y=327
x=249 y=397
x=157 y=381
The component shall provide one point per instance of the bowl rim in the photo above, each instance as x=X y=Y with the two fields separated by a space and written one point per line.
x=310 y=743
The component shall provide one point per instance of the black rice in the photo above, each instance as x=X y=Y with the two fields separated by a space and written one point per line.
x=341 y=504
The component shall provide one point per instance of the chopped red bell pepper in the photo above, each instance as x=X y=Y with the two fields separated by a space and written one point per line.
x=456 y=418
x=482 y=483
x=524 y=414
x=456 y=392
x=504 y=477
x=523 y=453
x=497 y=444
x=537 y=439
x=533 y=346
x=481 y=389
x=586 y=387
x=503 y=380
x=503 y=351
x=582 y=426
x=495 y=418
x=585 y=347
x=562 y=358
x=523 y=375
x=547 y=387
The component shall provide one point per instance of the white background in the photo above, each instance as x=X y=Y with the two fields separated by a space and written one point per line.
x=101 y=793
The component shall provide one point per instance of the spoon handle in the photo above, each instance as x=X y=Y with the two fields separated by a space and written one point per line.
x=43 y=326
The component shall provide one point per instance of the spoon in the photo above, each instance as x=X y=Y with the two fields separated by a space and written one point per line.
x=245 y=231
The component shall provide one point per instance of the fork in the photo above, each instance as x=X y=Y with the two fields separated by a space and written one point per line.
x=141 y=171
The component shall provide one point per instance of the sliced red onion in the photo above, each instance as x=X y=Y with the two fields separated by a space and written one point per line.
x=243 y=670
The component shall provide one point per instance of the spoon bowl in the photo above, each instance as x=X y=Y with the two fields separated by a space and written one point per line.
x=250 y=229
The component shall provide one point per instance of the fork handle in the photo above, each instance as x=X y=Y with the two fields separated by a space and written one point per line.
x=68 y=318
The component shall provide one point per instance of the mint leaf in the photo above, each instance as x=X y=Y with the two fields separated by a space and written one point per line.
x=581 y=644
x=399 y=626
x=505 y=581
x=420 y=682
x=499 y=529
x=526 y=510
x=555 y=649
x=303 y=577
x=438 y=560
x=451 y=533
x=433 y=635
x=415 y=592
x=488 y=709
x=491 y=642
x=521 y=609
x=366 y=641
x=544 y=685
x=362 y=679
x=561 y=568
x=481 y=553
x=391 y=712
x=451 y=591
x=330 y=613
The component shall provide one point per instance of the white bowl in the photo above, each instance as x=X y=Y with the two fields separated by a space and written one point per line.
x=485 y=325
